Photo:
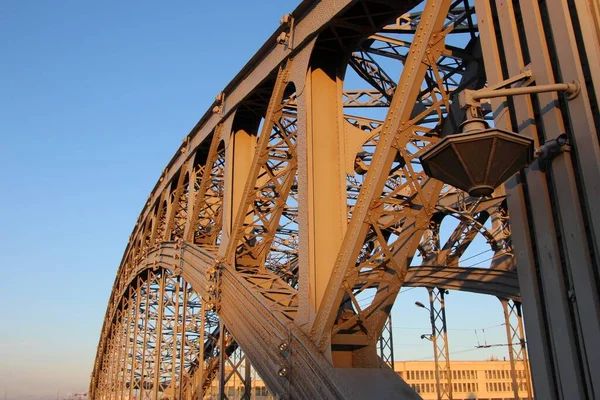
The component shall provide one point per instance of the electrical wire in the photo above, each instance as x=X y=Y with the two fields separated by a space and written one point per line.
x=466 y=350
x=476 y=255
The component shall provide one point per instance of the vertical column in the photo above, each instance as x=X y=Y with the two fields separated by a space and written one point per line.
x=222 y=357
x=322 y=163
x=158 y=332
x=239 y=155
x=134 y=349
x=519 y=364
x=184 y=307
x=145 y=316
x=199 y=382
x=439 y=337
x=131 y=323
x=175 y=380
x=122 y=346
x=247 y=379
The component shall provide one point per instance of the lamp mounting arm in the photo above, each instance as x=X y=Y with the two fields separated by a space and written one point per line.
x=471 y=99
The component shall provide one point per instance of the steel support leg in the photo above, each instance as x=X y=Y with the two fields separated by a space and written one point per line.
x=439 y=337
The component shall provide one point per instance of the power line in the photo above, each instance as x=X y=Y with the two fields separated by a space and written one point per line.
x=480 y=262
x=399 y=293
x=467 y=350
x=476 y=255
x=449 y=329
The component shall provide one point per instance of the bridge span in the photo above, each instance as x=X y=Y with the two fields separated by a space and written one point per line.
x=282 y=230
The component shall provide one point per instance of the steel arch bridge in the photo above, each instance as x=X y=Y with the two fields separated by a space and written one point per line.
x=278 y=237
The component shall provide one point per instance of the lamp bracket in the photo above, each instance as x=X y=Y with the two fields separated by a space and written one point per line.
x=471 y=99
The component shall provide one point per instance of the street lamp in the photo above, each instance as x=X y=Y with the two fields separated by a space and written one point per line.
x=479 y=158
x=421 y=305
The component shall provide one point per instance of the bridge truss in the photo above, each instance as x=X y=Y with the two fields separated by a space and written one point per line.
x=281 y=232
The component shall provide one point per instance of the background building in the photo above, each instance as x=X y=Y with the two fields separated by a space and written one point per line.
x=482 y=380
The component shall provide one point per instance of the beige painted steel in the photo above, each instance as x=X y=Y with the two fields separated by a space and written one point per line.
x=326 y=209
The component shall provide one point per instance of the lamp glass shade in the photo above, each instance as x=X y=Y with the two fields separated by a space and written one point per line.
x=478 y=161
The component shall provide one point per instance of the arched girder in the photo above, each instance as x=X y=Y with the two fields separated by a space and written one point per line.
x=153 y=344
x=494 y=282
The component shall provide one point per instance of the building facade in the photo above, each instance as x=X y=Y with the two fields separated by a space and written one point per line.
x=482 y=380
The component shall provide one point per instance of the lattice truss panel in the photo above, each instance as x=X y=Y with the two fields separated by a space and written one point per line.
x=403 y=223
x=155 y=339
x=266 y=234
x=212 y=275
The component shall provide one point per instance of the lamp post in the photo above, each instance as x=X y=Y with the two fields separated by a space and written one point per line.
x=439 y=339
x=427 y=336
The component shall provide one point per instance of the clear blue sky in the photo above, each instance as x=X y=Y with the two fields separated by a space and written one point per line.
x=94 y=99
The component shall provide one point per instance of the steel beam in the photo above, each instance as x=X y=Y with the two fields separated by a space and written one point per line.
x=495 y=282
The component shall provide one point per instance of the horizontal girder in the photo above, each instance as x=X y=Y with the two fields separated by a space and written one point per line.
x=496 y=282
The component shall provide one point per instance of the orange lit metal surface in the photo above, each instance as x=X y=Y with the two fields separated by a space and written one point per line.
x=279 y=235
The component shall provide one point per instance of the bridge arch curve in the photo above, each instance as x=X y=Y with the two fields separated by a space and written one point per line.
x=286 y=212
